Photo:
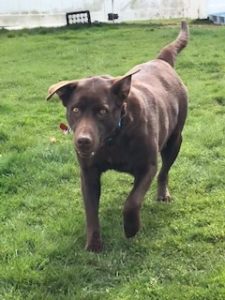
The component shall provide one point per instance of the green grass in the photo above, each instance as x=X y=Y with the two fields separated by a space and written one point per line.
x=179 y=252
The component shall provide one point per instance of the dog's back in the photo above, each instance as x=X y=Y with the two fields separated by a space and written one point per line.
x=160 y=92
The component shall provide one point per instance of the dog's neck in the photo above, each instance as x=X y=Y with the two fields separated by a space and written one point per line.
x=111 y=139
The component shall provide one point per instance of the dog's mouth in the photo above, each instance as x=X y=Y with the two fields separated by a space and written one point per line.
x=85 y=154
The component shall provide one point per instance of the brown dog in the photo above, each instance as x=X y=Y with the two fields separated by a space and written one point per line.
x=121 y=124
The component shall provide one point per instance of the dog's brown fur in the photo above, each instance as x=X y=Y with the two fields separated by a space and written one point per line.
x=122 y=124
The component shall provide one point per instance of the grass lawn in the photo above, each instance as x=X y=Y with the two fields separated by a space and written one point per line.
x=179 y=252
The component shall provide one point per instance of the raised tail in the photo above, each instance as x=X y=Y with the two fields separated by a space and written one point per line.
x=169 y=52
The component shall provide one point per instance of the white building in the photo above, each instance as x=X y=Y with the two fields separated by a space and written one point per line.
x=35 y=13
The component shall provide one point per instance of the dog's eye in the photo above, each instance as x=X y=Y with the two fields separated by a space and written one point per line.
x=76 y=110
x=103 y=112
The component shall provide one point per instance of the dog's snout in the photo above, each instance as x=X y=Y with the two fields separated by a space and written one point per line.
x=86 y=138
x=84 y=145
x=84 y=141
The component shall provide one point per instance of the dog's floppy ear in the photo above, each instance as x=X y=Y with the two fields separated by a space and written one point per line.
x=63 y=89
x=121 y=87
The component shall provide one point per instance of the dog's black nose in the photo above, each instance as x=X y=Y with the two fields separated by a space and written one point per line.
x=84 y=141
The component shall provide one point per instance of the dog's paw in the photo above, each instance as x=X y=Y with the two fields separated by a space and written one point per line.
x=96 y=246
x=165 y=198
x=131 y=223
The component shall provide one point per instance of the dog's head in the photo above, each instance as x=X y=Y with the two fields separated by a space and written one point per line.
x=94 y=106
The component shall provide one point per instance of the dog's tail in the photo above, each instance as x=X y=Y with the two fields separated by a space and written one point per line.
x=169 y=52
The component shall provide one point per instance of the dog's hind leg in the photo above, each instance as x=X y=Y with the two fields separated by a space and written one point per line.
x=168 y=154
x=131 y=212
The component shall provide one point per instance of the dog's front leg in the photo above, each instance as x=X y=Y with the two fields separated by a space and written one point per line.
x=134 y=201
x=90 y=183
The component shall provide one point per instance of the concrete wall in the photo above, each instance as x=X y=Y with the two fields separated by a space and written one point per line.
x=34 y=13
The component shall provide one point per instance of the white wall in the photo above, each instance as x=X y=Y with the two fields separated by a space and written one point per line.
x=48 y=6
x=31 y=13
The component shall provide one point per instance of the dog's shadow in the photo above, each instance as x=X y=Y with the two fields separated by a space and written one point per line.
x=72 y=270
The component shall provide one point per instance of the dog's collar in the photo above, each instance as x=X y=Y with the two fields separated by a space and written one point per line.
x=110 y=139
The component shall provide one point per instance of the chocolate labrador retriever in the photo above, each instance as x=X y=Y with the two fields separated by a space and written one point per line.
x=122 y=123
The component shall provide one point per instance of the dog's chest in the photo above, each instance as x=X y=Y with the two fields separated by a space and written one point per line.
x=113 y=158
x=123 y=156
x=119 y=161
